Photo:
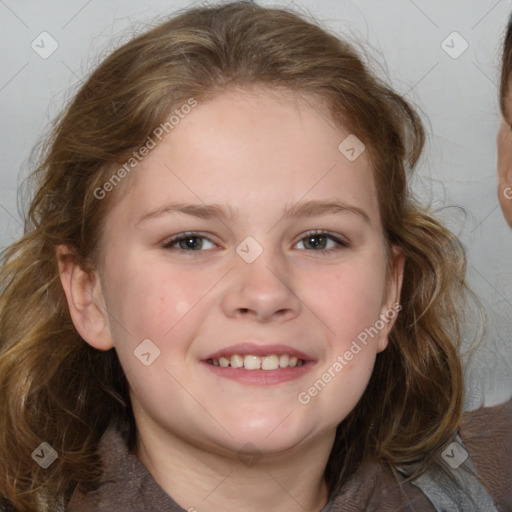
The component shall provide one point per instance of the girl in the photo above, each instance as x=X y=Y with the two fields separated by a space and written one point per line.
x=227 y=297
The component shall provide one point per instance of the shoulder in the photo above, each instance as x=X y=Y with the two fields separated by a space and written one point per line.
x=125 y=486
x=375 y=487
x=480 y=481
x=487 y=434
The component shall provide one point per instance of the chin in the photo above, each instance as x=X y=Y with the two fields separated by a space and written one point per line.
x=271 y=435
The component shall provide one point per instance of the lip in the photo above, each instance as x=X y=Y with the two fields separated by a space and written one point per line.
x=259 y=349
x=260 y=377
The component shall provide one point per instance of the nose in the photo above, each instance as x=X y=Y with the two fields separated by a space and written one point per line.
x=261 y=290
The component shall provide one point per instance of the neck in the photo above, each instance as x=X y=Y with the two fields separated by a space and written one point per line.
x=202 y=480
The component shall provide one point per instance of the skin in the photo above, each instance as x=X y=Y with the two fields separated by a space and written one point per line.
x=504 y=143
x=256 y=152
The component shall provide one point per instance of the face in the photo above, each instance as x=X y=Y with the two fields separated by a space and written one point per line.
x=248 y=250
x=505 y=169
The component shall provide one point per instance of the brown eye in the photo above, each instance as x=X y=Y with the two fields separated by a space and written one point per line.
x=316 y=241
x=322 y=241
x=188 y=242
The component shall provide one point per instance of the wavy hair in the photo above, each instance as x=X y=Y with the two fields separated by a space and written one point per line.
x=506 y=69
x=55 y=388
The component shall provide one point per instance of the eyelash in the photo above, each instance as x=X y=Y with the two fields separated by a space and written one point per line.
x=341 y=244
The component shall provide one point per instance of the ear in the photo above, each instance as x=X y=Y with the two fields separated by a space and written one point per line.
x=85 y=300
x=391 y=303
x=505 y=170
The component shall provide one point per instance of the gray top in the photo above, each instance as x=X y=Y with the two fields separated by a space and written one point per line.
x=450 y=486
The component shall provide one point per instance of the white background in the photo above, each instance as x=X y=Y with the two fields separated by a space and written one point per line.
x=404 y=41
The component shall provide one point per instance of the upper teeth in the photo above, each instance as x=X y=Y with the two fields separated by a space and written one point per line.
x=250 y=362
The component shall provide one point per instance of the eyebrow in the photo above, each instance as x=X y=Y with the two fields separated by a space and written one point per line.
x=295 y=210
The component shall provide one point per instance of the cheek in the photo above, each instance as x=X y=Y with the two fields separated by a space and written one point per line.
x=504 y=146
x=149 y=300
x=165 y=307
x=349 y=300
x=350 y=308
x=162 y=306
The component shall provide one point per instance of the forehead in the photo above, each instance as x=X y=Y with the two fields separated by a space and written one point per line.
x=252 y=149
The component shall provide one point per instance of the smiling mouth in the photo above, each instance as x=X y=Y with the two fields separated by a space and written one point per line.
x=253 y=362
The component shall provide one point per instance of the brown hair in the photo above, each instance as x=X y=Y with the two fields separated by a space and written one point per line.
x=506 y=70
x=54 y=387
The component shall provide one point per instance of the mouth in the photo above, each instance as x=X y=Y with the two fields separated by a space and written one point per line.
x=253 y=362
x=259 y=364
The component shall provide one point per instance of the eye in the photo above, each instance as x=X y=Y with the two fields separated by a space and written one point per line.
x=322 y=241
x=188 y=242
x=314 y=240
